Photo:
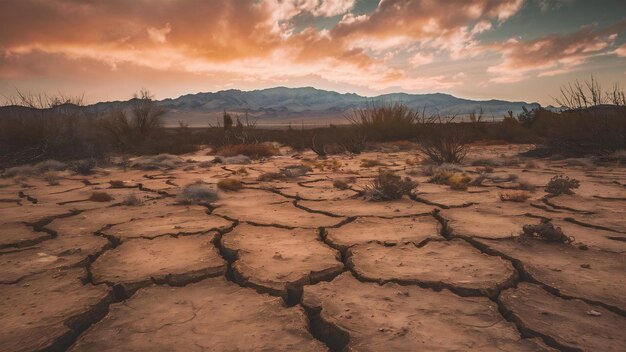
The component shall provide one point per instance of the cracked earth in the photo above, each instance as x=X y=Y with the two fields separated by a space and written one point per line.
x=298 y=265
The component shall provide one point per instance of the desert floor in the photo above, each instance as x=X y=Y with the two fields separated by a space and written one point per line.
x=298 y=265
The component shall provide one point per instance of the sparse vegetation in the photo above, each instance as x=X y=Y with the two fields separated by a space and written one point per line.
x=52 y=178
x=156 y=162
x=343 y=183
x=253 y=151
x=388 y=186
x=197 y=193
x=514 y=196
x=561 y=185
x=132 y=200
x=84 y=167
x=546 y=231
x=100 y=197
x=446 y=148
x=385 y=121
x=371 y=163
x=230 y=184
x=450 y=175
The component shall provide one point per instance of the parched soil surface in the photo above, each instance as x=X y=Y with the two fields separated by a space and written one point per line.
x=295 y=264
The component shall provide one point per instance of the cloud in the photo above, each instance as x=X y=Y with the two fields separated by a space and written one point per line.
x=551 y=55
x=548 y=5
x=247 y=39
x=621 y=51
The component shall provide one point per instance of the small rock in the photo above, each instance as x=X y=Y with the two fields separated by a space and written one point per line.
x=585 y=266
x=593 y=313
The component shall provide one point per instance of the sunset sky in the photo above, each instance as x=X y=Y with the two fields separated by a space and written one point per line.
x=479 y=49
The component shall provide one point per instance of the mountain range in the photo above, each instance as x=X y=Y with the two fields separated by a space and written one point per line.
x=308 y=106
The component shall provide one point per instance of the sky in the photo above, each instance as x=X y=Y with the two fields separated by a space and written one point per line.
x=518 y=50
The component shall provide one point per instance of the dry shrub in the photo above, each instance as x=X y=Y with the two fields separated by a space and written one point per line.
x=270 y=176
x=450 y=177
x=324 y=164
x=371 y=163
x=84 y=167
x=100 y=197
x=401 y=145
x=156 y=162
x=447 y=148
x=242 y=171
x=388 y=186
x=237 y=159
x=253 y=151
x=230 y=184
x=294 y=171
x=514 y=196
x=20 y=171
x=546 y=231
x=52 y=178
x=117 y=184
x=385 y=121
x=525 y=186
x=197 y=193
x=132 y=200
x=431 y=170
x=343 y=183
x=561 y=185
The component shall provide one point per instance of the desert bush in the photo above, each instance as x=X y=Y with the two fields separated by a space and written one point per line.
x=197 y=193
x=446 y=148
x=353 y=143
x=431 y=170
x=514 y=196
x=561 y=185
x=156 y=162
x=230 y=160
x=50 y=165
x=117 y=184
x=129 y=129
x=132 y=200
x=388 y=186
x=84 y=166
x=52 y=178
x=20 y=171
x=324 y=164
x=100 y=197
x=293 y=171
x=343 y=183
x=385 y=121
x=445 y=176
x=271 y=176
x=230 y=184
x=401 y=145
x=546 y=231
x=253 y=151
x=525 y=186
x=371 y=163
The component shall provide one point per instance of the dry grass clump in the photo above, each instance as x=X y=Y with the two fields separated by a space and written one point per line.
x=197 y=193
x=449 y=174
x=230 y=184
x=52 y=178
x=237 y=159
x=514 y=196
x=84 y=167
x=156 y=162
x=343 y=183
x=401 y=145
x=546 y=231
x=242 y=171
x=561 y=185
x=132 y=200
x=253 y=151
x=525 y=186
x=294 y=171
x=100 y=197
x=324 y=164
x=445 y=149
x=20 y=171
x=371 y=163
x=270 y=176
x=388 y=186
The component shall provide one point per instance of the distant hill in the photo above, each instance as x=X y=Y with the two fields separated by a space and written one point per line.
x=308 y=105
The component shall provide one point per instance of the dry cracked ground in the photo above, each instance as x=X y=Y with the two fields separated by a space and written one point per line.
x=298 y=265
